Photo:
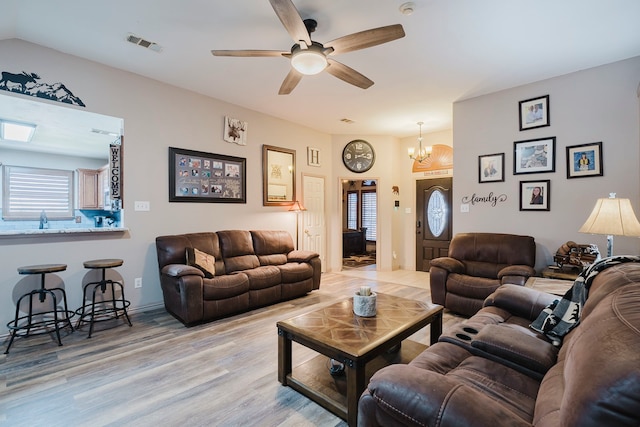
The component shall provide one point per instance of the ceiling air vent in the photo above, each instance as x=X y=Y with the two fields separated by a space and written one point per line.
x=348 y=121
x=131 y=38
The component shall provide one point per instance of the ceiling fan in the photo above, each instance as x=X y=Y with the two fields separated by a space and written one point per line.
x=309 y=57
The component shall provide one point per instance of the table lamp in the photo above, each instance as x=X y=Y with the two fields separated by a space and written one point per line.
x=612 y=217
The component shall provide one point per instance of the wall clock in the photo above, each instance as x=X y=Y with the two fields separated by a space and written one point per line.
x=358 y=156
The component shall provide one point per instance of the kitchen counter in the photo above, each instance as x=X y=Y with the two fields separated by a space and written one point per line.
x=60 y=231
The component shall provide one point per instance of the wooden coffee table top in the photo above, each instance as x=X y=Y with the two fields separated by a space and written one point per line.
x=336 y=325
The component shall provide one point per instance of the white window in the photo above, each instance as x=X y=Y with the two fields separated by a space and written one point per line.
x=26 y=192
x=369 y=214
x=352 y=210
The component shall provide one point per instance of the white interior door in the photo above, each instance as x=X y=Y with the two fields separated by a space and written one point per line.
x=313 y=223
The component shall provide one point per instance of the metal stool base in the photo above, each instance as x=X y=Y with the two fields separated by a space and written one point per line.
x=106 y=309
x=24 y=326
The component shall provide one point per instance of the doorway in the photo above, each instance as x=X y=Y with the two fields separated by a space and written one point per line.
x=433 y=220
x=359 y=224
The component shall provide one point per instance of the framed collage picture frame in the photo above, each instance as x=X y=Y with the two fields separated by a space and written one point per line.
x=584 y=160
x=491 y=168
x=534 y=156
x=534 y=113
x=535 y=195
x=197 y=176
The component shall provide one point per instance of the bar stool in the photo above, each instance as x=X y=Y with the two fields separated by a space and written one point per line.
x=24 y=326
x=107 y=309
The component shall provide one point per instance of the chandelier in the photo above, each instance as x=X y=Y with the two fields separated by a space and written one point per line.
x=423 y=152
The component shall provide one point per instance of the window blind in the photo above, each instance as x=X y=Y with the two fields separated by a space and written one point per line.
x=369 y=214
x=29 y=191
x=352 y=210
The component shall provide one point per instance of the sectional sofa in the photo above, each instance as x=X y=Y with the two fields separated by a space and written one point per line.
x=494 y=370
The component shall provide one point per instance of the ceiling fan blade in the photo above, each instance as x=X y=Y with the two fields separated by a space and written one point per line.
x=347 y=74
x=249 y=53
x=367 y=38
x=291 y=19
x=290 y=82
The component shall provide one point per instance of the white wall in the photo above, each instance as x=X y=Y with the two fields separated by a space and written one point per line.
x=598 y=104
x=156 y=116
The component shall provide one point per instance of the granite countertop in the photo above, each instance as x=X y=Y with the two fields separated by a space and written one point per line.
x=59 y=231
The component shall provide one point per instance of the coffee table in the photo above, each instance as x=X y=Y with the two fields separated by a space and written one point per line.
x=337 y=333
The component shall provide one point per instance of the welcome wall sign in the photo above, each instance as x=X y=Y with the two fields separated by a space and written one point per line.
x=490 y=199
x=115 y=178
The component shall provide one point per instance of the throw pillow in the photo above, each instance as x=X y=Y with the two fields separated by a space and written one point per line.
x=203 y=261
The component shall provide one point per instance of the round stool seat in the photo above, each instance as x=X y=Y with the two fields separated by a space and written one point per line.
x=42 y=268
x=103 y=263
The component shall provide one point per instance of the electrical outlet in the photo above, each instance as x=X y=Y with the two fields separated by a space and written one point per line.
x=141 y=206
x=137 y=283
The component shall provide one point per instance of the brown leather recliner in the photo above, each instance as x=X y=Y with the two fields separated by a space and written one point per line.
x=478 y=263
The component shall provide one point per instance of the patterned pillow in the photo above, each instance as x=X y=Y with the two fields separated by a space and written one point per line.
x=203 y=261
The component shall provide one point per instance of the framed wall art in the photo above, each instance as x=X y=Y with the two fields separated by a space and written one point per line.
x=313 y=157
x=534 y=113
x=278 y=176
x=584 y=160
x=196 y=176
x=491 y=168
x=235 y=131
x=535 y=195
x=534 y=156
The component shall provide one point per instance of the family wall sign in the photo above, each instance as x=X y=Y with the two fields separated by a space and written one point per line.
x=491 y=199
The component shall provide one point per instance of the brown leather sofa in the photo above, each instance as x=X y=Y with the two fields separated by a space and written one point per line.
x=478 y=263
x=252 y=269
x=493 y=370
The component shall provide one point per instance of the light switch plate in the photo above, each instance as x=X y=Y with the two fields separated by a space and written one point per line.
x=141 y=206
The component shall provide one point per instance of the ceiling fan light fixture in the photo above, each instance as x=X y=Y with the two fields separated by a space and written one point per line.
x=308 y=61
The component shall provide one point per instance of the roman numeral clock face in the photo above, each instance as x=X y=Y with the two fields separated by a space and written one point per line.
x=358 y=156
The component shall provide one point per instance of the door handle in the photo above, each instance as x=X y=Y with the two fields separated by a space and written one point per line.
x=307 y=232
x=418 y=224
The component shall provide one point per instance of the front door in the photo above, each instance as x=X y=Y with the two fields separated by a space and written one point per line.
x=433 y=220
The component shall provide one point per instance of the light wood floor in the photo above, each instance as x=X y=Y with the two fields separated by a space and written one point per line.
x=159 y=373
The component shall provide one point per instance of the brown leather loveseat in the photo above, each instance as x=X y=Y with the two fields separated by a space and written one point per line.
x=493 y=370
x=249 y=269
x=478 y=263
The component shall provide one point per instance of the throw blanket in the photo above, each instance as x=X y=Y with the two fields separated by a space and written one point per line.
x=557 y=319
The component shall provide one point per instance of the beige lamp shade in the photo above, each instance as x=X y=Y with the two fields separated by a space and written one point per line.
x=614 y=217
x=297 y=207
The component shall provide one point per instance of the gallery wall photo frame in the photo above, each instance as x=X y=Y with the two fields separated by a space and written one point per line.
x=534 y=156
x=491 y=168
x=198 y=176
x=584 y=160
x=534 y=113
x=278 y=176
x=535 y=195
